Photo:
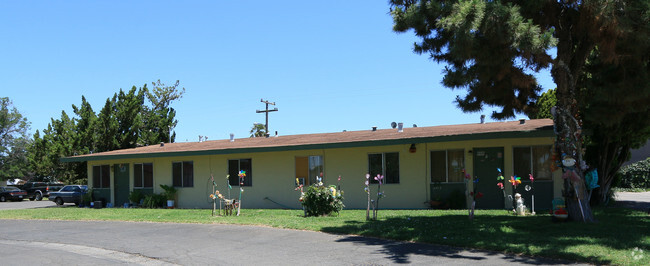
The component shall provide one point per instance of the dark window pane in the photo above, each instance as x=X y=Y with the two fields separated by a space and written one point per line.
x=392 y=167
x=148 y=175
x=137 y=175
x=106 y=176
x=438 y=168
x=96 y=176
x=456 y=164
x=246 y=165
x=521 y=161
x=375 y=166
x=233 y=171
x=315 y=168
x=177 y=174
x=188 y=174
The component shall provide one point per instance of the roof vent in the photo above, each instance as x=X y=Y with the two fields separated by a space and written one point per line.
x=482 y=119
x=400 y=127
x=393 y=124
x=414 y=125
x=522 y=121
x=374 y=128
x=232 y=137
x=276 y=133
x=162 y=144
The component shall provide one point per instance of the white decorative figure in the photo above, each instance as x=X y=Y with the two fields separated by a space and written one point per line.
x=521 y=208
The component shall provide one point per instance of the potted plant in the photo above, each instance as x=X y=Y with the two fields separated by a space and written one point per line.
x=136 y=197
x=86 y=198
x=170 y=194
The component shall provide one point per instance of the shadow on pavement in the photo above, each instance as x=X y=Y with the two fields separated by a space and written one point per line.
x=399 y=252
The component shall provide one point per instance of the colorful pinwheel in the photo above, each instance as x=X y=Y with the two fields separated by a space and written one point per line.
x=515 y=180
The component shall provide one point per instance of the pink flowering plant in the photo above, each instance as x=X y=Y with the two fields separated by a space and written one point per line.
x=380 y=194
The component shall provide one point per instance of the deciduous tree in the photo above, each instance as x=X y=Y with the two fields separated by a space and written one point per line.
x=258 y=130
x=13 y=141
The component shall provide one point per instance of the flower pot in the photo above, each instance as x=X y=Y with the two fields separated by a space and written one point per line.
x=170 y=204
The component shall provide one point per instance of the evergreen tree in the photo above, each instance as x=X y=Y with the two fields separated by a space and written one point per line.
x=38 y=157
x=85 y=126
x=129 y=119
x=128 y=112
x=106 y=127
x=492 y=47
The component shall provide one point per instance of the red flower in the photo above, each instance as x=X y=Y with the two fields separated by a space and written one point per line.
x=479 y=195
x=500 y=185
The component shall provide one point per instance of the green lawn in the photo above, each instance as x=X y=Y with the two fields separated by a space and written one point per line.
x=619 y=236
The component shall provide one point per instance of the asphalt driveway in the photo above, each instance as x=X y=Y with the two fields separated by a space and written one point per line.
x=26 y=204
x=37 y=242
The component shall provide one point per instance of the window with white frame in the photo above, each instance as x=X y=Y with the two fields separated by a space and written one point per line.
x=386 y=164
x=183 y=174
x=101 y=176
x=143 y=175
x=308 y=168
x=534 y=160
x=447 y=166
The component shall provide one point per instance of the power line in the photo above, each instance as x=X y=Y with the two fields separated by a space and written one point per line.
x=266 y=111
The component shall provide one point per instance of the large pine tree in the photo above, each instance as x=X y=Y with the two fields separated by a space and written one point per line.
x=492 y=49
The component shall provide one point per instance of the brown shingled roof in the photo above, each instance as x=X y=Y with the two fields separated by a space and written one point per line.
x=333 y=140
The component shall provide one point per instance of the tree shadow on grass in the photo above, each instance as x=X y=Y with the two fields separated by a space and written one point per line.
x=532 y=236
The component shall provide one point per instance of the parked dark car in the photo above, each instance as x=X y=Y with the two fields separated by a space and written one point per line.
x=69 y=194
x=38 y=190
x=12 y=193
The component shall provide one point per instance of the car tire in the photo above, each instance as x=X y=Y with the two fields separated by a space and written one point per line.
x=59 y=201
x=38 y=196
x=3 y=199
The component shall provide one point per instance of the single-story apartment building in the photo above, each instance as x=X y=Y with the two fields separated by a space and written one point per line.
x=420 y=164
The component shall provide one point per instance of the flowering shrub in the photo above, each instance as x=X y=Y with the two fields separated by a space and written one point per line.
x=321 y=200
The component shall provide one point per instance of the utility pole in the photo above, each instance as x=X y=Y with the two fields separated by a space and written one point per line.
x=266 y=125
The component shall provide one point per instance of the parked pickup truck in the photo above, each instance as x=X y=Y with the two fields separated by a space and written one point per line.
x=38 y=190
x=69 y=194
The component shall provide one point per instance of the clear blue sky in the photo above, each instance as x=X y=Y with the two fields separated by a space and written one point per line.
x=329 y=65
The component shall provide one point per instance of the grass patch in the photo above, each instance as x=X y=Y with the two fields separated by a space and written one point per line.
x=620 y=237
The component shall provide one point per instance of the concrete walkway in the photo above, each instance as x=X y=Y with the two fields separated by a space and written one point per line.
x=634 y=200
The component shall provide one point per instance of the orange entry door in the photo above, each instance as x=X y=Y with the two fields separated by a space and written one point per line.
x=302 y=170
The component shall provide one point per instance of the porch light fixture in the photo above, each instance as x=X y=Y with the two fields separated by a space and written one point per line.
x=412 y=148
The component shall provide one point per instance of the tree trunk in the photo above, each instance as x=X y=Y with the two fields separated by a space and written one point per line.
x=607 y=156
x=567 y=66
